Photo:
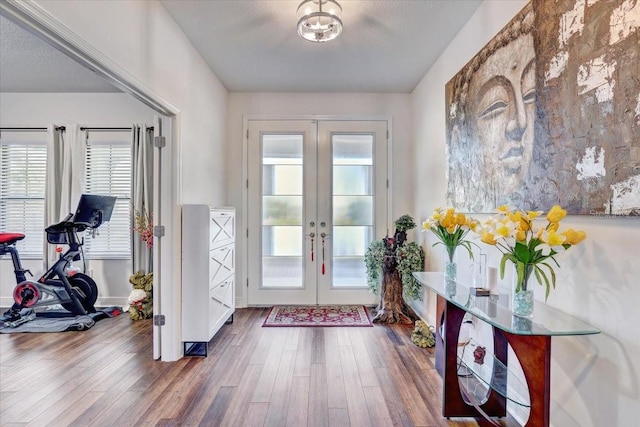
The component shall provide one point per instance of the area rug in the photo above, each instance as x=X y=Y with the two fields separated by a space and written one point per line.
x=61 y=321
x=321 y=316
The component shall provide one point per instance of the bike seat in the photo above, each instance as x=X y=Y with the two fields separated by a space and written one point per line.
x=10 y=238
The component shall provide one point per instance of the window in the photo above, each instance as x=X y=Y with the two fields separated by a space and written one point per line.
x=23 y=169
x=108 y=173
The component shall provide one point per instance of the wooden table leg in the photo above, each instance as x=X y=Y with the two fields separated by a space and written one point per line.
x=453 y=404
x=534 y=354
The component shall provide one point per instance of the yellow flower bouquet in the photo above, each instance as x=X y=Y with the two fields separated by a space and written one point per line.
x=528 y=247
x=451 y=228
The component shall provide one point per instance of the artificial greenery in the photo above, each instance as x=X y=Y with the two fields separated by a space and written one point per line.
x=404 y=223
x=410 y=258
x=422 y=335
x=373 y=259
x=396 y=253
x=141 y=298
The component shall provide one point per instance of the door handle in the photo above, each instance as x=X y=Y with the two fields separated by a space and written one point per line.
x=312 y=235
x=323 y=235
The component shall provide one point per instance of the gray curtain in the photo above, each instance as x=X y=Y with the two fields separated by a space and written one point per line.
x=141 y=193
x=65 y=177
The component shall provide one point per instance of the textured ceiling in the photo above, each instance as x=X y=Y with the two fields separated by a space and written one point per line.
x=28 y=64
x=252 y=46
x=386 y=45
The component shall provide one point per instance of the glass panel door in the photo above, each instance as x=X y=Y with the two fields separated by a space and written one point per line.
x=352 y=196
x=317 y=198
x=281 y=205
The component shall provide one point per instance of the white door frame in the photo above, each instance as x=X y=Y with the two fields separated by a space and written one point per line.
x=33 y=18
x=242 y=297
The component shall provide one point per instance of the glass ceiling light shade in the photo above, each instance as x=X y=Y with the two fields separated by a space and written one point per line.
x=319 y=20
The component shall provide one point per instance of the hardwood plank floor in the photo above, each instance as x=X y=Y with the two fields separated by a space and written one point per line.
x=253 y=376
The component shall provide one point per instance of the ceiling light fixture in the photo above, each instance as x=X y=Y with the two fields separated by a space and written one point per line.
x=319 y=20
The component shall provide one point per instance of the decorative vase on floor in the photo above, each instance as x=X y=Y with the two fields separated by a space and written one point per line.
x=521 y=294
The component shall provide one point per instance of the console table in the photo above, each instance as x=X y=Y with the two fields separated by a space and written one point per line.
x=530 y=340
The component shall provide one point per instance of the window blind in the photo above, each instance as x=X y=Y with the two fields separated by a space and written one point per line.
x=23 y=168
x=108 y=173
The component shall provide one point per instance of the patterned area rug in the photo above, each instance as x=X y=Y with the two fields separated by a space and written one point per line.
x=337 y=315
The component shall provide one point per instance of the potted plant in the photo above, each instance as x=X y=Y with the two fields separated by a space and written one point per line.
x=396 y=259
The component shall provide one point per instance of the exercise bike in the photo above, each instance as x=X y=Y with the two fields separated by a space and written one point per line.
x=75 y=292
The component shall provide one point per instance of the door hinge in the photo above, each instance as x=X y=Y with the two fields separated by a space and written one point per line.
x=158 y=320
x=247 y=282
x=247 y=133
x=387 y=183
x=159 y=141
x=158 y=230
x=387 y=135
x=247 y=184
x=247 y=232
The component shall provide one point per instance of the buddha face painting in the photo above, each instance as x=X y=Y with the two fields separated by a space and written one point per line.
x=546 y=113
x=491 y=107
x=501 y=113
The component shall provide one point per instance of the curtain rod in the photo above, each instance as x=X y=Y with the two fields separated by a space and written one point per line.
x=62 y=128
x=108 y=129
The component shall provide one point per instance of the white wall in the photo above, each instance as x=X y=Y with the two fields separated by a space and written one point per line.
x=596 y=378
x=142 y=39
x=64 y=109
x=397 y=106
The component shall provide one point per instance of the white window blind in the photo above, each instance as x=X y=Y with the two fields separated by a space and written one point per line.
x=23 y=167
x=108 y=173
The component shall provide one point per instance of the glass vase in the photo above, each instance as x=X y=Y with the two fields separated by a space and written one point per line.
x=450 y=272
x=521 y=292
x=450 y=285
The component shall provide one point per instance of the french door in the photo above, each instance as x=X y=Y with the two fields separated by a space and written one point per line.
x=317 y=196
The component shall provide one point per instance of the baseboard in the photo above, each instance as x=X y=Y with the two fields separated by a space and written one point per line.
x=241 y=302
x=421 y=311
x=111 y=301
x=6 y=302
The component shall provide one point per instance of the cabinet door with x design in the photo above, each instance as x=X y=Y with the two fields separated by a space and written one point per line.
x=208 y=271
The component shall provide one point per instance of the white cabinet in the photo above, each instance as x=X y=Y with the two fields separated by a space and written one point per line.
x=208 y=274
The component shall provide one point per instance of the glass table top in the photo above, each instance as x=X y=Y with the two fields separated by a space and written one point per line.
x=494 y=309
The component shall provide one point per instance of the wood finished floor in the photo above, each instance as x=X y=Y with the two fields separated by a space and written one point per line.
x=254 y=376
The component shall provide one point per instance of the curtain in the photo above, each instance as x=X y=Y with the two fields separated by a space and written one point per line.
x=65 y=176
x=141 y=193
